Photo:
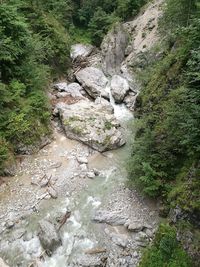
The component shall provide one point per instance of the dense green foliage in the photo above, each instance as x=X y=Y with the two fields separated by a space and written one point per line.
x=165 y=251
x=165 y=154
x=34 y=45
x=97 y=16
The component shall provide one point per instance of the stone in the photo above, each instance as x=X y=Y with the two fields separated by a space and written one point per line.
x=93 y=81
x=62 y=94
x=75 y=89
x=83 y=167
x=60 y=86
x=80 y=51
x=52 y=192
x=120 y=240
x=129 y=101
x=88 y=260
x=119 y=88
x=91 y=175
x=82 y=160
x=72 y=89
x=113 y=49
x=10 y=224
x=105 y=104
x=48 y=236
x=91 y=124
x=111 y=218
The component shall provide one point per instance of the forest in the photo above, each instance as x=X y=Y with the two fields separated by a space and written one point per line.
x=166 y=151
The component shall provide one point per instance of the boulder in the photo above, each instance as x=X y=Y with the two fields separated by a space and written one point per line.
x=129 y=100
x=49 y=238
x=109 y=217
x=2 y=263
x=73 y=89
x=81 y=51
x=91 y=124
x=93 y=81
x=113 y=49
x=119 y=88
x=120 y=240
x=88 y=260
x=61 y=87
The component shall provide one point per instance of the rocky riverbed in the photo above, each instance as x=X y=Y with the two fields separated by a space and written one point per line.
x=68 y=204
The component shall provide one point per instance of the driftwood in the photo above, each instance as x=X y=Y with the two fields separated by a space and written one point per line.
x=64 y=219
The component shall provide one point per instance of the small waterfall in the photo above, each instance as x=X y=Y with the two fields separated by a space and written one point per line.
x=121 y=112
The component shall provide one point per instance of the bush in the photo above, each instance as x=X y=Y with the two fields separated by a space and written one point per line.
x=165 y=251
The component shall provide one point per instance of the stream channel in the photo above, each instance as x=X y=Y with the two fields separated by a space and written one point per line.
x=20 y=245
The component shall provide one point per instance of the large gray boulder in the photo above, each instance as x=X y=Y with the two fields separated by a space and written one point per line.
x=119 y=88
x=49 y=238
x=94 y=81
x=80 y=51
x=113 y=49
x=72 y=89
x=93 y=124
x=109 y=217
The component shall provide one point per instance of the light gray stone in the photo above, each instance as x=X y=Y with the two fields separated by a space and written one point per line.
x=89 y=123
x=113 y=49
x=81 y=51
x=93 y=81
x=49 y=238
x=119 y=88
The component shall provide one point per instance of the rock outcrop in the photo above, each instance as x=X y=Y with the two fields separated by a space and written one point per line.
x=49 y=238
x=92 y=124
x=113 y=49
x=93 y=81
x=119 y=88
x=81 y=51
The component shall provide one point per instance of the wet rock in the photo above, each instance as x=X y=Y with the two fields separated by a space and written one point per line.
x=112 y=218
x=49 y=238
x=27 y=236
x=93 y=81
x=105 y=104
x=81 y=51
x=10 y=224
x=2 y=263
x=96 y=172
x=119 y=88
x=91 y=175
x=89 y=123
x=113 y=49
x=52 y=192
x=129 y=100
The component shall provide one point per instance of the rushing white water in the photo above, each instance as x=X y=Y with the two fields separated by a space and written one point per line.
x=121 y=112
